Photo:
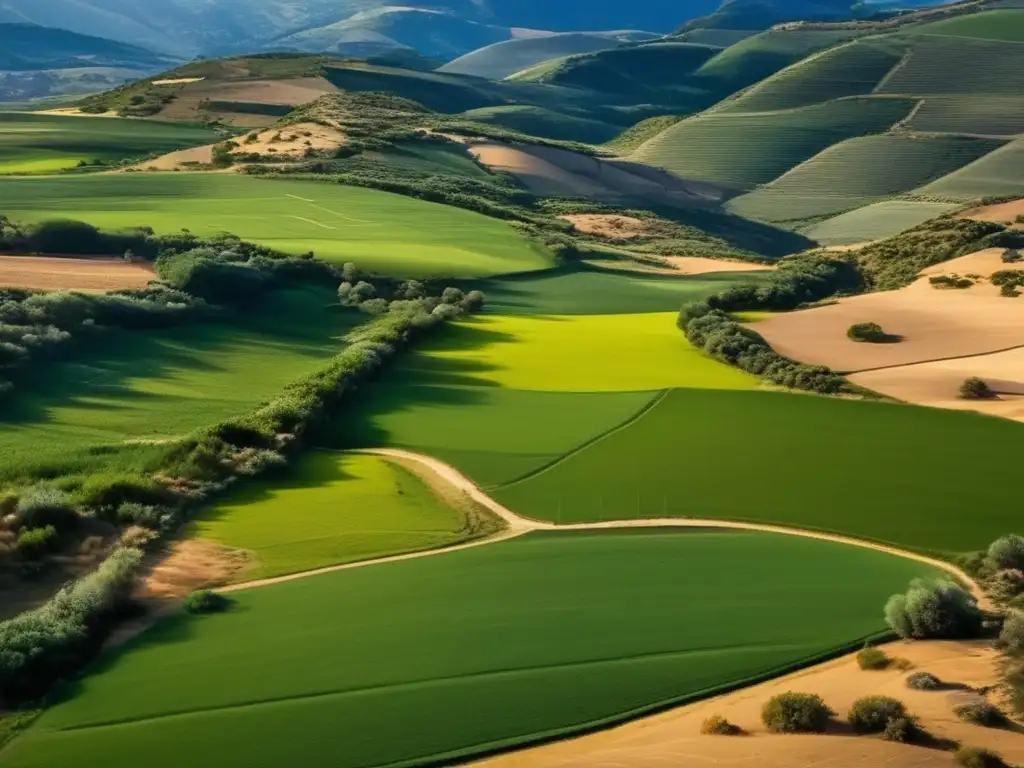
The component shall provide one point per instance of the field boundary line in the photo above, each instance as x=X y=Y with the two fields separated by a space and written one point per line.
x=933 y=360
x=310 y=221
x=519 y=525
x=644 y=410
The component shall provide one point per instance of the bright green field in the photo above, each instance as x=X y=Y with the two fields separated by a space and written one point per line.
x=744 y=149
x=155 y=385
x=876 y=221
x=858 y=172
x=330 y=509
x=597 y=292
x=35 y=143
x=377 y=230
x=581 y=353
x=447 y=656
x=922 y=478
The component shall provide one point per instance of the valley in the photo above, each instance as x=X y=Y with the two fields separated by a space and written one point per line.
x=501 y=384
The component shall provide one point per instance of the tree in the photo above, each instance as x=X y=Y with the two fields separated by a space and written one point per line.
x=1006 y=552
x=974 y=388
x=869 y=332
x=934 y=610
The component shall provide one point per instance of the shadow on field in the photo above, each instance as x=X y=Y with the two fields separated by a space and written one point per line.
x=422 y=379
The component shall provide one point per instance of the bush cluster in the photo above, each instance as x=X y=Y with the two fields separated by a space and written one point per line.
x=872 y=714
x=950 y=281
x=923 y=681
x=796 y=713
x=1011 y=636
x=936 y=609
x=868 y=332
x=1006 y=552
x=206 y=601
x=56 y=640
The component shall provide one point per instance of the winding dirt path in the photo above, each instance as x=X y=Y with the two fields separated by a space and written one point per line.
x=518 y=525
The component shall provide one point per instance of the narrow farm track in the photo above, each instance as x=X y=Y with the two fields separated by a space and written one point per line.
x=518 y=525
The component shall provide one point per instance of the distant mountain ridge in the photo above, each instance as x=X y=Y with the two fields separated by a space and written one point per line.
x=25 y=46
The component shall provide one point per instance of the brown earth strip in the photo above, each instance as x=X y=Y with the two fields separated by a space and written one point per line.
x=56 y=273
x=998 y=213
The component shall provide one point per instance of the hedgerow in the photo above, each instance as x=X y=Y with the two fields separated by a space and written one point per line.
x=54 y=641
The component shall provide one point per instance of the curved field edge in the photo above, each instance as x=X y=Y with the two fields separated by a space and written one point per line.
x=678 y=653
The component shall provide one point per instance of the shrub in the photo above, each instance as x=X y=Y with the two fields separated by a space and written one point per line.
x=934 y=609
x=206 y=601
x=868 y=332
x=110 y=492
x=924 y=681
x=977 y=757
x=1006 y=584
x=56 y=640
x=902 y=730
x=974 y=388
x=980 y=712
x=35 y=542
x=950 y=281
x=796 y=713
x=1011 y=637
x=40 y=507
x=1006 y=552
x=716 y=725
x=872 y=658
x=131 y=512
x=871 y=714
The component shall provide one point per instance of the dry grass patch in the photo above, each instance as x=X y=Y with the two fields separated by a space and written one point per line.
x=608 y=225
x=57 y=273
x=188 y=566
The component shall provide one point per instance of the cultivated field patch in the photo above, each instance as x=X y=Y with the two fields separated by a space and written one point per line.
x=330 y=509
x=632 y=619
x=48 y=273
x=379 y=231
x=37 y=143
x=875 y=222
x=877 y=479
x=160 y=384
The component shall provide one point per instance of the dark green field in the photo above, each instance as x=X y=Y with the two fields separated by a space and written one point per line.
x=921 y=478
x=461 y=653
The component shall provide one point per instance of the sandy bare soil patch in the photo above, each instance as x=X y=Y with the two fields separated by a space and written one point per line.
x=54 y=273
x=553 y=171
x=74 y=112
x=934 y=324
x=936 y=384
x=292 y=141
x=699 y=265
x=189 y=565
x=979 y=266
x=608 y=225
x=178 y=81
x=176 y=161
x=289 y=93
x=998 y=213
x=673 y=739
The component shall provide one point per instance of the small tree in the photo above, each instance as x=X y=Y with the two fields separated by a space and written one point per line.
x=974 y=388
x=872 y=658
x=206 y=601
x=868 y=332
x=796 y=713
x=1006 y=552
x=871 y=714
x=934 y=609
x=1011 y=637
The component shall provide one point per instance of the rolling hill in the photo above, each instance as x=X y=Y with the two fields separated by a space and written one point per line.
x=499 y=60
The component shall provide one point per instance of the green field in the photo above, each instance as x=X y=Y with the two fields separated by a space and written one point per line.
x=1007 y=25
x=957 y=65
x=570 y=353
x=876 y=221
x=833 y=465
x=999 y=174
x=859 y=172
x=36 y=143
x=156 y=385
x=597 y=292
x=330 y=509
x=745 y=150
x=499 y=60
x=538 y=121
x=983 y=114
x=443 y=657
x=380 y=231
x=853 y=69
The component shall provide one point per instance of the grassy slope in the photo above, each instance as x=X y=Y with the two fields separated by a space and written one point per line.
x=750 y=149
x=155 y=385
x=1007 y=25
x=331 y=509
x=695 y=443
x=999 y=174
x=875 y=222
x=318 y=672
x=538 y=121
x=380 y=231
x=34 y=143
x=858 y=172
x=502 y=59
